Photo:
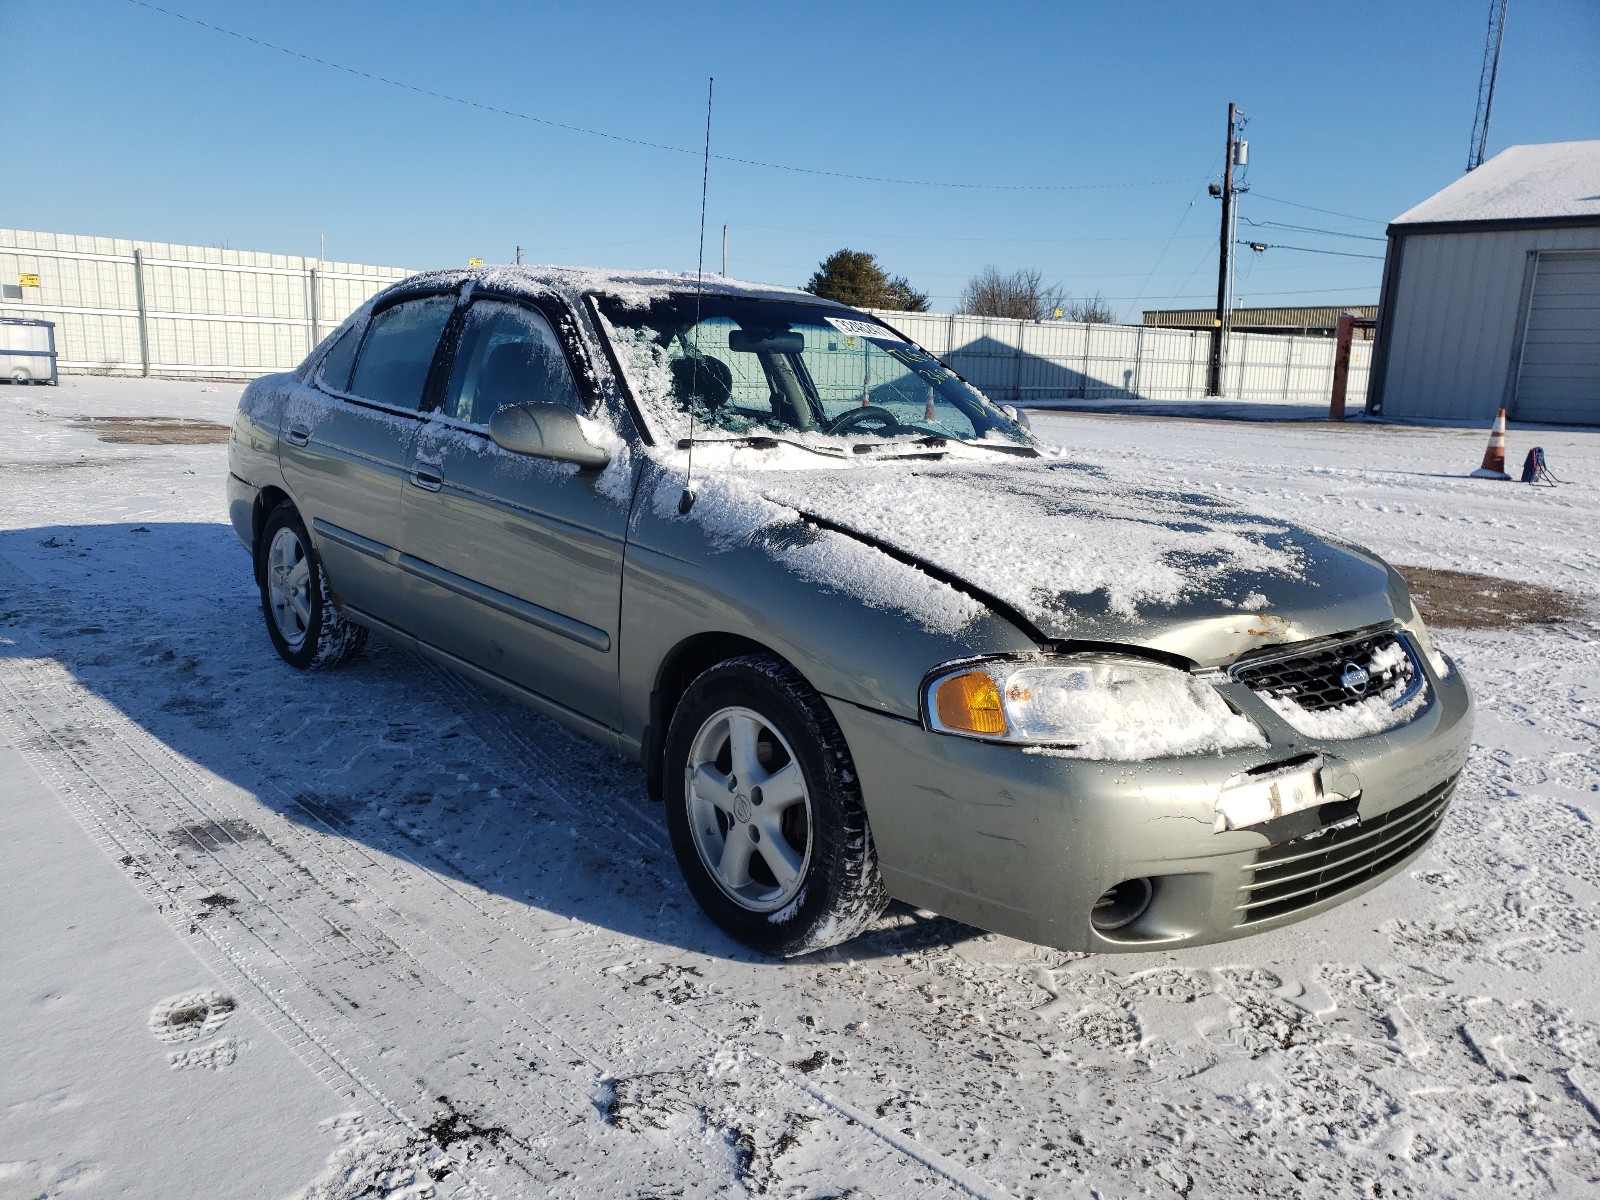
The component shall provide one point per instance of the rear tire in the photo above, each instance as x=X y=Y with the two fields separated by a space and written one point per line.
x=765 y=810
x=306 y=629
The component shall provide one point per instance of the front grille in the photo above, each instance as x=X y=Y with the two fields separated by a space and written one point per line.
x=1312 y=678
x=1297 y=874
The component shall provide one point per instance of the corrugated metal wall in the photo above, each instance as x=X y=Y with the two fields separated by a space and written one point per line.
x=1458 y=302
x=206 y=311
x=128 y=308
x=1026 y=361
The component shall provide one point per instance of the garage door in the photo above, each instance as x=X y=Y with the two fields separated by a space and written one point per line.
x=1559 y=376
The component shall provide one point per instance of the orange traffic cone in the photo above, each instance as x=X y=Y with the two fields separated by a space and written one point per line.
x=1494 y=458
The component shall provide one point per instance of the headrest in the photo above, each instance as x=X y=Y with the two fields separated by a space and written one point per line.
x=514 y=373
x=702 y=377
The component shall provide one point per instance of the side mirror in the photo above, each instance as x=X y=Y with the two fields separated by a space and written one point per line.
x=545 y=431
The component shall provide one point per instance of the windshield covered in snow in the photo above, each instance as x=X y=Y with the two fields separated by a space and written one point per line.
x=747 y=367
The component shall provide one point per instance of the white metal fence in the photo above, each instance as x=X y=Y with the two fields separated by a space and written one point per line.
x=1027 y=361
x=152 y=308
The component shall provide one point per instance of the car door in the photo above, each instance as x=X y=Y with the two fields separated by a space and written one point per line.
x=347 y=446
x=514 y=562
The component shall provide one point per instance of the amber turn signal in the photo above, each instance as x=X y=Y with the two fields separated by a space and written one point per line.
x=970 y=703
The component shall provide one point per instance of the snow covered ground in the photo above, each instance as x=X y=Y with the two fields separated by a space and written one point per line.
x=381 y=933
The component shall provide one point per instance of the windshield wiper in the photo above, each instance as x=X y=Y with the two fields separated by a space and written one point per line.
x=1015 y=449
x=922 y=447
x=760 y=441
x=936 y=445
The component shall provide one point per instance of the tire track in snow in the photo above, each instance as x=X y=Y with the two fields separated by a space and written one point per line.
x=170 y=792
x=110 y=816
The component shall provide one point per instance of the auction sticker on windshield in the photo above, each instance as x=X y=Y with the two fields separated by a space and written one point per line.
x=866 y=329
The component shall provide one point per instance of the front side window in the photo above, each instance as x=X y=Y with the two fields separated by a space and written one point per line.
x=748 y=366
x=394 y=362
x=508 y=355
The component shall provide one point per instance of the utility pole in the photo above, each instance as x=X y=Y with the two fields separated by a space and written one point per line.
x=724 y=251
x=519 y=256
x=1219 y=326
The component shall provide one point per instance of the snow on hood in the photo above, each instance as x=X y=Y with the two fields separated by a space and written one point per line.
x=1081 y=551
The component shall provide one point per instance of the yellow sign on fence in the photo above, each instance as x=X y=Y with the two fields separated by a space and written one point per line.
x=28 y=280
x=474 y=262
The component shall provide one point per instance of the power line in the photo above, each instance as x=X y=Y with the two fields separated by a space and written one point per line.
x=1204 y=295
x=1084 y=274
x=931 y=237
x=1365 y=237
x=655 y=237
x=632 y=141
x=1313 y=208
x=1301 y=292
x=1160 y=258
x=1311 y=250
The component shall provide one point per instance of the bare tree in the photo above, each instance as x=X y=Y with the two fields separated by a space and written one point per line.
x=1024 y=296
x=1090 y=311
x=1021 y=295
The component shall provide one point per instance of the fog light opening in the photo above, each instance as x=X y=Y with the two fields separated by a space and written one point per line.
x=1121 y=905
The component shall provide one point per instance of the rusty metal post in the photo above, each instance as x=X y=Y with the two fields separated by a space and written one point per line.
x=1341 y=366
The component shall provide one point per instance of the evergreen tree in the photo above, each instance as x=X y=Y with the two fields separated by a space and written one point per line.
x=854 y=277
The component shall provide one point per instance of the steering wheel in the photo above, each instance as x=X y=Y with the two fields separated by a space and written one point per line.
x=868 y=416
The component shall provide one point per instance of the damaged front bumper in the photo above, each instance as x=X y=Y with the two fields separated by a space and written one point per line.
x=1026 y=844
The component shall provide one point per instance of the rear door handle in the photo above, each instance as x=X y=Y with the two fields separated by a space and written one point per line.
x=298 y=435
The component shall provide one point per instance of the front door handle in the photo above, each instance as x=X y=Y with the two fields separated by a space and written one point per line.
x=298 y=435
x=429 y=476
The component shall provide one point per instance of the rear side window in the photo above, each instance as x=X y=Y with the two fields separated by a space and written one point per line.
x=508 y=355
x=334 y=374
x=399 y=350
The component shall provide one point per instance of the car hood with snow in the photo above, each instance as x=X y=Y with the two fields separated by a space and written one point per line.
x=1073 y=552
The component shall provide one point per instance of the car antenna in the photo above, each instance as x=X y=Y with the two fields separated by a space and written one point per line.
x=686 y=501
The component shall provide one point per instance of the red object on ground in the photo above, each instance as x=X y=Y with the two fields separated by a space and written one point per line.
x=1494 y=458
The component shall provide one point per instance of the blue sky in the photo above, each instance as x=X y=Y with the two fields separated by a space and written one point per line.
x=134 y=123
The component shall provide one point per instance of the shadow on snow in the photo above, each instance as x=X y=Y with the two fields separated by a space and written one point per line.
x=163 y=622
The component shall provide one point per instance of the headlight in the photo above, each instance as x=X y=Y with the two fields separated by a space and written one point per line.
x=1419 y=634
x=1098 y=706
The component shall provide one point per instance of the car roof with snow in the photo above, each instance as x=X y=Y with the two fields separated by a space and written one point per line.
x=636 y=286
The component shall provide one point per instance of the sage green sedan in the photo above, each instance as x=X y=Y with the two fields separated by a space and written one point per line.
x=867 y=636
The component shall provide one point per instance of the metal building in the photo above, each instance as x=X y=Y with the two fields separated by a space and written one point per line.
x=1491 y=294
x=1315 y=321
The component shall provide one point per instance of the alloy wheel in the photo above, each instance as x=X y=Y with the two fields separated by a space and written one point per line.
x=749 y=809
x=289 y=587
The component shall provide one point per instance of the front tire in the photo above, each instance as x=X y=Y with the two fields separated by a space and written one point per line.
x=306 y=629
x=765 y=810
